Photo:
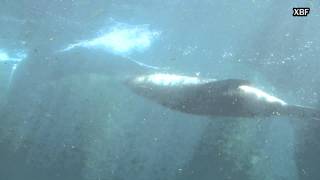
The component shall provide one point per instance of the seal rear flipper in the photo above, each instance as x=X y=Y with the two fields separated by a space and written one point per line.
x=302 y=112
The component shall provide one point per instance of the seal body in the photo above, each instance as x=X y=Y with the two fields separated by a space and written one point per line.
x=231 y=97
x=209 y=97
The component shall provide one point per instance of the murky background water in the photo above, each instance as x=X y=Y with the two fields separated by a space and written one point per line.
x=65 y=113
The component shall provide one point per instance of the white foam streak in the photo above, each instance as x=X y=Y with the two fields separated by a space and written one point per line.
x=121 y=39
x=4 y=56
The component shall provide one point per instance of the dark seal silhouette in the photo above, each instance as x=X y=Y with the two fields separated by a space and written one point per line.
x=209 y=97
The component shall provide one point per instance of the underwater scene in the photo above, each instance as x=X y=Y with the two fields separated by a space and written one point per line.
x=159 y=90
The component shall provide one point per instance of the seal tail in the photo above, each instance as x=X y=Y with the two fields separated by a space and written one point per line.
x=302 y=112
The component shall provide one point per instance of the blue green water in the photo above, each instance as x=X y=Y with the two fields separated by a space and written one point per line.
x=65 y=115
